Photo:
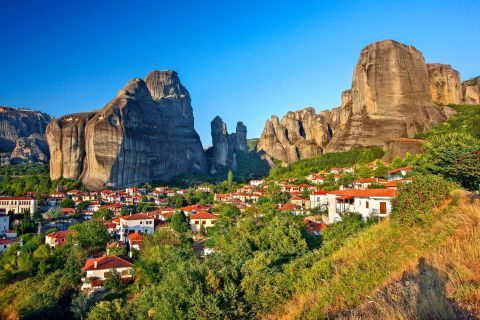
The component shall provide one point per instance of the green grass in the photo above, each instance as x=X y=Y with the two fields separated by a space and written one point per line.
x=466 y=120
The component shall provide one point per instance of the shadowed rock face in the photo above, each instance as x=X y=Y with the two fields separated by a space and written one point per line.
x=16 y=123
x=471 y=91
x=225 y=145
x=390 y=98
x=401 y=146
x=445 y=85
x=145 y=133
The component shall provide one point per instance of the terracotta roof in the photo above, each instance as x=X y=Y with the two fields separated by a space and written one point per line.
x=288 y=207
x=364 y=193
x=16 y=198
x=136 y=216
x=135 y=237
x=400 y=169
x=319 y=192
x=371 y=180
x=8 y=241
x=204 y=215
x=59 y=234
x=107 y=263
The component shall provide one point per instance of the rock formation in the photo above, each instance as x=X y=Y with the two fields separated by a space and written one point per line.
x=390 y=98
x=225 y=146
x=445 y=85
x=471 y=91
x=145 y=133
x=401 y=146
x=22 y=135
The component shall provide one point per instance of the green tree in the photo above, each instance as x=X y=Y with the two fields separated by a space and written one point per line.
x=381 y=170
x=67 y=203
x=230 y=177
x=79 y=305
x=83 y=205
x=103 y=214
x=91 y=235
x=455 y=156
x=179 y=221
x=106 y=310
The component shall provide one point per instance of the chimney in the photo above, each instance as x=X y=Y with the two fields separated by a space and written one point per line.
x=95 y=264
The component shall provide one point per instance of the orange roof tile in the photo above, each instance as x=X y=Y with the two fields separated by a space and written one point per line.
x=107 y=263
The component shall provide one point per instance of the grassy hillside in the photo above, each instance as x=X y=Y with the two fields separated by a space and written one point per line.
x=447 y=246
x=466 y=120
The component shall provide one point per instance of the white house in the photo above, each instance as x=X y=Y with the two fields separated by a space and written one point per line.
x=4 y=223
x=138 y=222
x=18 y=204
x=6 y=243
x=99 y=269
x=257 y=183
x=318 y=199
x=367 y=182
x=398 y=174
x=58 y=238
x=370 y=202
x=202 y=218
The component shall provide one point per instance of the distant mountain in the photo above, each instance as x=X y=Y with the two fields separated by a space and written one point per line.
x=394 y=94
x=22 y=135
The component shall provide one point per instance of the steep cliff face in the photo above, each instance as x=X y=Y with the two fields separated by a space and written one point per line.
x=471 y=91
x=225 y=146
x=145 y=133
x=19 y=129
x=390 y=98
x=401 y=146
x=445 y=85
x=66 y=140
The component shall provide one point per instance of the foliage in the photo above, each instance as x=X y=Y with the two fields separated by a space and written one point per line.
x=67 y=203
x=465 y=121
x=106 y=310
x=91 y=236
x=103 y=214
x=304 y=167
x=454 y=155
x=83 y=205
x=178 y=222
x=415 y=200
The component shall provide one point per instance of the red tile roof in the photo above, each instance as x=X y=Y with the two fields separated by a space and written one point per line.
x=59 y=234
x=136 y=216
x=8 y=241
x=400 y=169
x=371 y=180
x=288 y=207
x=365 y=193
x=319 y=192
x=107 y=263
x=203 y=215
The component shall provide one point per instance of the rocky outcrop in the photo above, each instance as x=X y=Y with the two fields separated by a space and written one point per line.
x=225 y=146
x=390 y=98
x=401 y=146
x=66 y=140
x=31 y=149
x=21 y=132
x=145 y=133
x=445 y=85
x=471 y=91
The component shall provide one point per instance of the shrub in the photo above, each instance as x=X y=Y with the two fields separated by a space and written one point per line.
x=415 y=200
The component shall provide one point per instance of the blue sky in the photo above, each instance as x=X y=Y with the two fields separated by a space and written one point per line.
x=242 y=60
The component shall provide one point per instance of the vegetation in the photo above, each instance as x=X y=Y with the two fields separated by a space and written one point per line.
x=305 y=167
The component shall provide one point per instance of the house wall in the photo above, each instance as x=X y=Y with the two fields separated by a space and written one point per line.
x=130 y=226
x=4 y=222
x=205 y=222
x=18 y=206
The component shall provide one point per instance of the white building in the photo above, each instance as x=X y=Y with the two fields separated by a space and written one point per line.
x=138 y=222
x=18 y=204
x=318 y=199
x=398 y=174
x=257 y=183
x=202 y=218
x=99 y=269
x=6 y=243
x=367 y=182
x=368 y=203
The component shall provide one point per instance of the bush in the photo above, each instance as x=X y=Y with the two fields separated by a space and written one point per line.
x=415 y=200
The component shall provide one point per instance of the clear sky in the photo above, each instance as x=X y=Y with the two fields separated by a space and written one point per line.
x=242 y=60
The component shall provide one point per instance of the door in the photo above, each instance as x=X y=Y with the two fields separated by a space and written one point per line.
x=383 y=207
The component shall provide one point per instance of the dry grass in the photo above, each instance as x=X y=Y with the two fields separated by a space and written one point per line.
x=393 y=273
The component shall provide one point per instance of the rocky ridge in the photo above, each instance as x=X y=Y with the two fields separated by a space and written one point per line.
x=145 y=133
x=22 y=135
x=394 y=94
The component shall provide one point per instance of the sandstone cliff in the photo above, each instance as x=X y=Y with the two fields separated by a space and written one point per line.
x=22 y=135
x=471 y=91
x=145 y=133
x=390 y=98
x=225 y=146
x=445 y=85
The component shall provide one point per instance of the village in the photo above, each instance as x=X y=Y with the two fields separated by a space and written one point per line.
x=132 y=213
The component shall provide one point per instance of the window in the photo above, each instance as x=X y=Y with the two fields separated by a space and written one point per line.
x=196 y=222
x=203 y=222
x=367 y=204
x=125 y=273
